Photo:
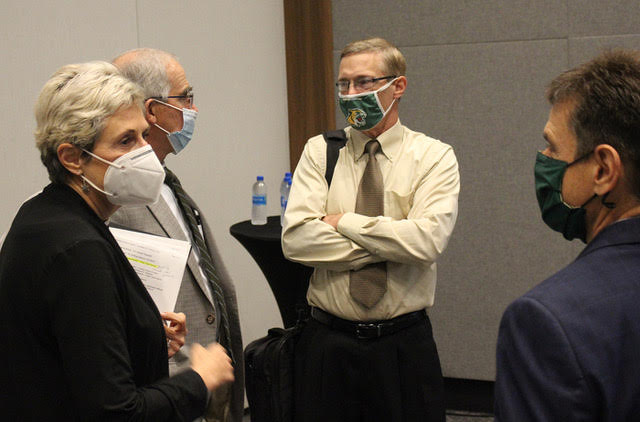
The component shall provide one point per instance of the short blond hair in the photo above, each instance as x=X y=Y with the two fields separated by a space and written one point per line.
x=393 y=61
x=73 y=105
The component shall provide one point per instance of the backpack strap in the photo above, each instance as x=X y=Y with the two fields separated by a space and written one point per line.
x=335 y=140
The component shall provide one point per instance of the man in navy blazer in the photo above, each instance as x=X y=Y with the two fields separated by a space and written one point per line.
x=569 y=349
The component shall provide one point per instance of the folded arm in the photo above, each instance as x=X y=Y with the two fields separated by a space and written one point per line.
x=305 y=237
x=423 y=235
x=348 y=241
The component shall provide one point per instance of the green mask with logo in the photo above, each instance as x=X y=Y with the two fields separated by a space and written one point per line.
x=363 y=111
x=557 y=214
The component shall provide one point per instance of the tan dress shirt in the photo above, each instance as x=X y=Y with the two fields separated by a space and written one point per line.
x=421 y=185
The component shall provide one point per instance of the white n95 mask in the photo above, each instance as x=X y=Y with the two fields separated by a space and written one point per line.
x=133 y=179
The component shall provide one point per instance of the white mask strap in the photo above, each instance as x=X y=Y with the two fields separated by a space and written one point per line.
x=167 y=104
x=94 y=186
x=103 y=160
x=162 y=129
x=387 y=110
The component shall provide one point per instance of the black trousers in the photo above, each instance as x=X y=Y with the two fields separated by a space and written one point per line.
x=339 y=377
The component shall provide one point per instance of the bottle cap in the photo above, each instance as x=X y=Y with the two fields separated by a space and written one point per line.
x=259 y=178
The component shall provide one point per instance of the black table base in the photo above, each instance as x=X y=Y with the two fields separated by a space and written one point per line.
x=288 y=280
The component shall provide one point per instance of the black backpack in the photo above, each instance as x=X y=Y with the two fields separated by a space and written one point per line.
x=269 y=361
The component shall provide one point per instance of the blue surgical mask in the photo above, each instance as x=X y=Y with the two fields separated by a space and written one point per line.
x=181 y=138
x=364 y=111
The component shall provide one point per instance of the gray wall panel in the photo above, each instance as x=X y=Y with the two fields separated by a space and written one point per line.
x=410 y=22
x=584 y=48
x=611 y=17
x=487 y=102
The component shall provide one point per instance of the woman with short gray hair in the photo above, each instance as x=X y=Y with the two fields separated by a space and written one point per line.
x=87 y=341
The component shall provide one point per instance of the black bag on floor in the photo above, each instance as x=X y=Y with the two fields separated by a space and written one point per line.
x=269 y=365
x=269 y=360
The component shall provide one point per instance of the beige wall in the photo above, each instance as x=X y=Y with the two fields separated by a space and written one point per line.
x=233 y=53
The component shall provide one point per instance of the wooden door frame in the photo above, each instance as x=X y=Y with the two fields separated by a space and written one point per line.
x=310 y=82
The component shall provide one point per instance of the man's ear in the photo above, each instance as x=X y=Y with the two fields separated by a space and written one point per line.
x=610 y=171
x=401 y=86
x=148 y=111
x=70 y=157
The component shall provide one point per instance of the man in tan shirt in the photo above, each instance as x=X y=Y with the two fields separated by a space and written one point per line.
x=371 y=357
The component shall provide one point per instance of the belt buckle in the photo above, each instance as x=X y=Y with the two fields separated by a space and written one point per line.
x=364 y=327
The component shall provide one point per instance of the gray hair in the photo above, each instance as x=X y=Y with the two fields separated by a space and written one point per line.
x=148 y=68
x=73 y=106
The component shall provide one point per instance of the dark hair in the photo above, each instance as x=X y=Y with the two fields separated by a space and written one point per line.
x=606 y=94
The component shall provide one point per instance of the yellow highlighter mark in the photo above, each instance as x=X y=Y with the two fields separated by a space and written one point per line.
x=142 y=262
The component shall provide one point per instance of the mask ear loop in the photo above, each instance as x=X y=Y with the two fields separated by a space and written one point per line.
x=84 y=186
x=610 y=205
x=86 y=182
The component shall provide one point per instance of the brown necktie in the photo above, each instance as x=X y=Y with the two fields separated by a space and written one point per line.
x=368 y=284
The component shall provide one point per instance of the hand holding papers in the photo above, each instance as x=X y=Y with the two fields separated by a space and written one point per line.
x=158 y=261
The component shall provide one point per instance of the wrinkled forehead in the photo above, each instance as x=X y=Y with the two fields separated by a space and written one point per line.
x=177 y=79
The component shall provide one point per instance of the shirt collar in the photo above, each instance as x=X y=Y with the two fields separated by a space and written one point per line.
x=390 y=141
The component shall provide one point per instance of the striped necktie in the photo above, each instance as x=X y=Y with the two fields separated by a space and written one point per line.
x=368 y=284
x=206 y=263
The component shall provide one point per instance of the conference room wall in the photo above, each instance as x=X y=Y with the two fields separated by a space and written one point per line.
x=477 y=72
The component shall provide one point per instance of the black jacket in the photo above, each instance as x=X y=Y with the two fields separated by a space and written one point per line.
x=83 y=338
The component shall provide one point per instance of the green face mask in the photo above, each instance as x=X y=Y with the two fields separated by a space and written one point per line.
x=364 y=111
x=561 y=217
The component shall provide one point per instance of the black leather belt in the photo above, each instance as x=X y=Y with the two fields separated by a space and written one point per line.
x=369 y=329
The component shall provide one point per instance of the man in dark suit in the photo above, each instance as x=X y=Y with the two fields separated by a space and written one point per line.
x=568 y=350
x=207 y=295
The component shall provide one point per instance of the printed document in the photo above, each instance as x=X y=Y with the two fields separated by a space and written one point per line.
x=158 y=261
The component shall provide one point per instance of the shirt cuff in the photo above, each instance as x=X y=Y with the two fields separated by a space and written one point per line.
x=196 y=387
x=352 y=224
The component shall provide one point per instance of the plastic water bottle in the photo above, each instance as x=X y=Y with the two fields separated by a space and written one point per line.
x=259 y=199
x=285 y=187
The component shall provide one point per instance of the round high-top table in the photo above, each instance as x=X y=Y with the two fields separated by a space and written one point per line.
x=288 y=280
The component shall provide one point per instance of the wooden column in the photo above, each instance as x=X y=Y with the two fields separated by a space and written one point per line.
x=310 y=83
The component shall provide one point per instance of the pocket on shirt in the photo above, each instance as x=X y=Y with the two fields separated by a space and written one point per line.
x=397 y=204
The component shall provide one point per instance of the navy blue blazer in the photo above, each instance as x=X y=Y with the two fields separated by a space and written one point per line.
x=569 y=349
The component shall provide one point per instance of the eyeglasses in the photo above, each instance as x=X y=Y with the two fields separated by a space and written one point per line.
x=360 y=84
x=185 y=100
